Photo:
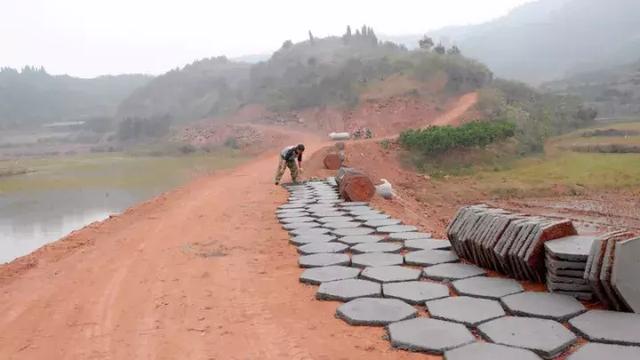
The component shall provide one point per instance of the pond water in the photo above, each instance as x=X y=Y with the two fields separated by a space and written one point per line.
x=63 y=195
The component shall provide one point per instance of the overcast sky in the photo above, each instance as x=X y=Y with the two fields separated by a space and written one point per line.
x=94 y=37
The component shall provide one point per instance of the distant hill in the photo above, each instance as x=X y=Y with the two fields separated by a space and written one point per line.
x=331 y=71
x=549 y=39
x=614 y=91
x=32 y=97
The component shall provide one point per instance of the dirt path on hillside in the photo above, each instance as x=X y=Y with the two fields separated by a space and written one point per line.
x=203 y=272
x=453 y=115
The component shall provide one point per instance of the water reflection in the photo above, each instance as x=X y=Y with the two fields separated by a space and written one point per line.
x=30 y=220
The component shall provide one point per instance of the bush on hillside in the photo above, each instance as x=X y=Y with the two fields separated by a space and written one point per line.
x=439 y=139
x=537 y=115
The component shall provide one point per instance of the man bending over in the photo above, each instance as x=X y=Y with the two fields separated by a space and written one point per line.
x=288 y=158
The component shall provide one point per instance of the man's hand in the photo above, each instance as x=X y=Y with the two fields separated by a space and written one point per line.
x=301 y=170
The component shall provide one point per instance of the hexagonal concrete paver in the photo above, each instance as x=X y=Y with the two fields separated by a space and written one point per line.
x=376 y=259
x=430 y=257
x=396 y=229
x=610 y=327
x=308 y=239
x=624 y=273
x=428 y=335
x=300 y=225
x=310 y=231
x=571 y=248
x=316 y=260
x=342 y=225
x=595 y=351
x=545 y=337
x=487 y=287
x=409 y=236
x=301 y=219
x=318 y=275
x=360 y=239
x=370 y=217
x=354 y=231
x=359 y=208
x=382 y=222
x=385 y=274
x=376 y=247
x=543 y=305
x=345 y=290
x=465 y=310
x=347 y=204
x=320 y=214
x=452 y=271
x=291 y=206
x=415 y=292
x=330 y=219
x=488 y=351
x=427 y=244
x=375 y=311
x=322 y=247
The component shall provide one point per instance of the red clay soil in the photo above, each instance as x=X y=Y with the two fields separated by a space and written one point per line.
x=202 y=272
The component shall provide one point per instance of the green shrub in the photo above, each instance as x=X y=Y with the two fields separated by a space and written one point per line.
x=439 y=139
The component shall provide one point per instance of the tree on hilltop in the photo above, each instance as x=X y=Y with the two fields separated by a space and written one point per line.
x=426 y=43
x=454 y=50
x=440 y=49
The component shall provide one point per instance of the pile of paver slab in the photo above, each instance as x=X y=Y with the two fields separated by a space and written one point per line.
x=566 y=260
x=502 y=241
x=386 y=273
x=613 y=271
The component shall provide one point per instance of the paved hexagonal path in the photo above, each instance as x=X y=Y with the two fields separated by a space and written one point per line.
x=348 y=204
x=308 y=239
x=375 y=311
x=427 y=244
x=345 y=290
x=289 y=215
x=409 y=236
x=487 y=287
x=376 y=259
x=318 y=275
x=322 y=247
x=595 y=351
x=415 y=292
x=360 y=239
x=543 y=305
x=430 y=257
x=385 y=274
x=608 y=327
x=353 y=232
x=428 y=335
x=545 y=337
x=316 y=260
x=396 y=229
x=452 y=271
x=382 y=222
x=465 y=310
x=376 y=247
x=488 y=351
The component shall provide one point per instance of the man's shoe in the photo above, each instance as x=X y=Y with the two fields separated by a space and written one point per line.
x=277 y=183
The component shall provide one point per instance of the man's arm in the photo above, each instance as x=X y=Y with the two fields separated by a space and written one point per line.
x=300 y=161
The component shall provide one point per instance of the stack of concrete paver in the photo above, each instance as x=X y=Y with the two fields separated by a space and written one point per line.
x=356 y=259
x=566 y=260
x=510 y=243
x=613 y=270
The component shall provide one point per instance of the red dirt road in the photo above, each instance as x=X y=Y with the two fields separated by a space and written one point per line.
x=203 y=272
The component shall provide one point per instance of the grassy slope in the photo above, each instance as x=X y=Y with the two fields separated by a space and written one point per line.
x=574 y=171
